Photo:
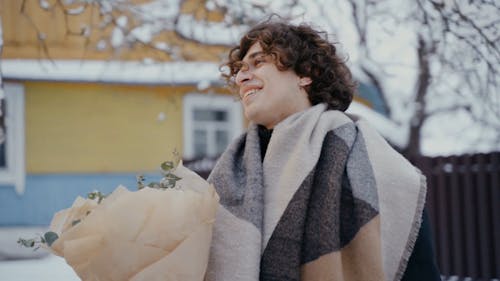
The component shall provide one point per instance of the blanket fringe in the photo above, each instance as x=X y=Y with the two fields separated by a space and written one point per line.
x=417 y=221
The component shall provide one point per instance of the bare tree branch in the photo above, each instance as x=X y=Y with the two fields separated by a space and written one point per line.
x=42 y=44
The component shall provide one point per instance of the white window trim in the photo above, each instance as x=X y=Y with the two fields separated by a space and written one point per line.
x=14 y=173
x=212 y=101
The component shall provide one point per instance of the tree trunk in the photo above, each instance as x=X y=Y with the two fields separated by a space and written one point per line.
x=424 y=51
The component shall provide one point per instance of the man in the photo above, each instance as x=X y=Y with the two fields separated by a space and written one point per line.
x=308 y=192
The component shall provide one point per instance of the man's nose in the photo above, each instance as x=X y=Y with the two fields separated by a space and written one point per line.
x=243 y=75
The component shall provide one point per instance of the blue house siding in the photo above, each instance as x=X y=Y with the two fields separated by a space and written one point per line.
x=373 y=95
x=46 y=194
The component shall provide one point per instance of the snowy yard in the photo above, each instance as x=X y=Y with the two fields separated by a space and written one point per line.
x=49 y=268
x=22 y=264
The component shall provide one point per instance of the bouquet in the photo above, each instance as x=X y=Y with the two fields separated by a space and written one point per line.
x=160 y=232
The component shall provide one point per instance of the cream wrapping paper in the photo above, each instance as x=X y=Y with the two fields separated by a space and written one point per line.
x=150 y=234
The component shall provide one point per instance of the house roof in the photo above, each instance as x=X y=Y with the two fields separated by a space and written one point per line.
x=128 y=72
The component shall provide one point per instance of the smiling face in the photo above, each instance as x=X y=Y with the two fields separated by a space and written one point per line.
x=269 y=95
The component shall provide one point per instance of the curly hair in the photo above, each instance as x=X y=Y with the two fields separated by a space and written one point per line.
x=307 y=52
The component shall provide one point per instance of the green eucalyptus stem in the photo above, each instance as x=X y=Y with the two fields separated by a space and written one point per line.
x=169 y=179
x=48 y=238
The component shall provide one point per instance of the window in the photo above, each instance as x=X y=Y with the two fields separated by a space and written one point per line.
x=210 y=123
x=12 y=170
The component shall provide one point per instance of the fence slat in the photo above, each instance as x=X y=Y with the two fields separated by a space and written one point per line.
x=483 y=218
x=425 y=164
x=443 y=230
x=456 y=194
x=470 y=218
x=495 y=203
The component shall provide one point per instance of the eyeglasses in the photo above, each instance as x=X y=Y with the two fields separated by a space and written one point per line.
x=254 y=61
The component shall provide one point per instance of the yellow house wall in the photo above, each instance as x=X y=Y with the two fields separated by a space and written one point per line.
x=76 y=127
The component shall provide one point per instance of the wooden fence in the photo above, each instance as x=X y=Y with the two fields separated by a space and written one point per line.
x=463 y=200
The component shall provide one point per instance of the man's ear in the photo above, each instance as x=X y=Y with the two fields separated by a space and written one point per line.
x=304 y=81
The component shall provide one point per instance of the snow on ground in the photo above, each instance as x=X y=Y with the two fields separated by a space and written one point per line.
x=24 y=264
x=49 y=268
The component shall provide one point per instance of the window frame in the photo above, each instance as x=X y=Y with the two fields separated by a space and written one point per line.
x=14 y=173
x=226 y=103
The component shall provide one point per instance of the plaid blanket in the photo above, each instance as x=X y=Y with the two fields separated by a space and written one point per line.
x=331 y=200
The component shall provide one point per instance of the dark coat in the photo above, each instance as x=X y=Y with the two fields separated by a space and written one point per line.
x=422 y=264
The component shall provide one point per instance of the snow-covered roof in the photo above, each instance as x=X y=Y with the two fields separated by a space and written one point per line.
x=129 y=72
